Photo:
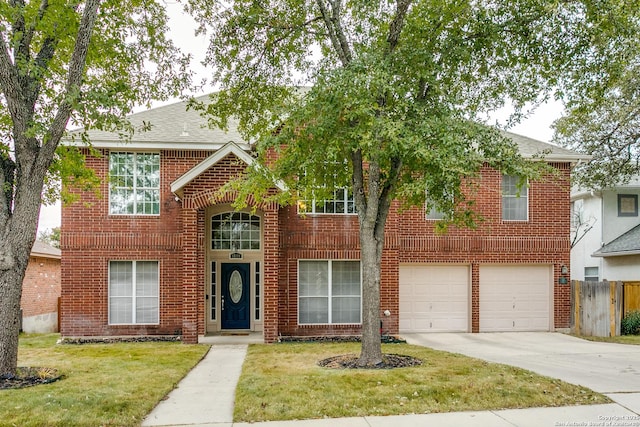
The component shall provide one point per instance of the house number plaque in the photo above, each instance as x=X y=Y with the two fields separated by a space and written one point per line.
x=235 y=286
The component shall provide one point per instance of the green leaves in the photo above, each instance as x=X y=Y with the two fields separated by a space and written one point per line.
x=602 y=93
x=408 y=102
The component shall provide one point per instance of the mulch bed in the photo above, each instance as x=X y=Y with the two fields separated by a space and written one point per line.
x=29 y=376
x=385 y=339
x=121 y=339
x=389 y=361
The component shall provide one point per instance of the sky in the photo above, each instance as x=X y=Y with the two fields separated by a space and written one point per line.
x=537 y=126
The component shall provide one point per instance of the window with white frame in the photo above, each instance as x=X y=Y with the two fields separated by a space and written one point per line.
x=432 y=211
x=341 y=203
x=133 y=292
x=591 y=274
x=235 y=231
x=515 y=199
x=329 y=292
x=134 y=183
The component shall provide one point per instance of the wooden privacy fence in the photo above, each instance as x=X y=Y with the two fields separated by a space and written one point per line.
x=597 y=308
x=631 y=297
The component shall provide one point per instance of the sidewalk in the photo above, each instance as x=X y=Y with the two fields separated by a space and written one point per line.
x=204 y=398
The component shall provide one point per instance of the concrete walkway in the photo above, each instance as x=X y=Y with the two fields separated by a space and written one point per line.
x=206 y=395
x=204 y=398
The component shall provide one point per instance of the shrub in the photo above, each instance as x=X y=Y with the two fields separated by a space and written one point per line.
x=631 y=323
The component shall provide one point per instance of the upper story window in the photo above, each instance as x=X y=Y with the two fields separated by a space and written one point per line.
x=341 y=203
x=432 y=211
x=134 y=183
x=515 y=199
x=235 y=231
x=627 y=205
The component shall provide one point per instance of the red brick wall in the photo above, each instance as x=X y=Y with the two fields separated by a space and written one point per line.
x=91 y=237
x=41 y=287
x=411 y=238
x=543 y=239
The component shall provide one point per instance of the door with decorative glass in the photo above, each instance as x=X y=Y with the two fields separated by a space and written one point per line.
x=234 y=299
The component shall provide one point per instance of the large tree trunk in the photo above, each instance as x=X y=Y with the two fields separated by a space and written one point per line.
x=10 y=293
x=370 y=257
x=373 y=202
x=18 y=233
x=22 y=177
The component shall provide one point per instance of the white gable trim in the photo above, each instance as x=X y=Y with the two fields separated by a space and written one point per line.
x=229 y=148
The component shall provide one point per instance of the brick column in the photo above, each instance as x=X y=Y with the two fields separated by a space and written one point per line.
x=271 y=283
x=190 y=276
x=475 y=297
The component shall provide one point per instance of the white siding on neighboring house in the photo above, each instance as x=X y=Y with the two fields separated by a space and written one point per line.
x=602 y=210
x=589 y=208
x=625 y=268
x=614 y=225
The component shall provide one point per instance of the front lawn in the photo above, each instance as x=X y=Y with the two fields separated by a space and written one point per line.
x=284 y=382
x=622 y=339
x=103 y=384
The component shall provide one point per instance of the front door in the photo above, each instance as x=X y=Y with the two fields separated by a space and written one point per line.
x=235 y=296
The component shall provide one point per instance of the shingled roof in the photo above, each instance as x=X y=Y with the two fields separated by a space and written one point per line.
x=530 y=147
x=173 y=126
x=44 y=250
x=627 y=244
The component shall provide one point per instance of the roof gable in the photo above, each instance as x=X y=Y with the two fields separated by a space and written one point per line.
x=178 y=185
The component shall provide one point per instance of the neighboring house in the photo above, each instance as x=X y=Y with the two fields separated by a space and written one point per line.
x=41 y=290
x=158 y=254
x=606 y=226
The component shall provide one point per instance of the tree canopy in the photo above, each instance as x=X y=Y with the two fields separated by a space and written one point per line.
x=602 y=97
x=397 y=92
x=85 y=63
x=406 y=79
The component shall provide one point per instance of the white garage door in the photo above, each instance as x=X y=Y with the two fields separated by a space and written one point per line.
x=434 y=298
x=515 y=298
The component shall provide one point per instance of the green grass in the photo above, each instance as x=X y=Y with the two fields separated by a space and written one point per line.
x=284 y=382
x=622 y=339
x=103 y=384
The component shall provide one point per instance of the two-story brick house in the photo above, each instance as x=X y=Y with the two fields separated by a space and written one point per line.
x=158 y=254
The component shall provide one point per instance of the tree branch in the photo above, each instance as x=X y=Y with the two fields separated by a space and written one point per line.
x=10 y=85
x=358 y=181
x=7 y=185
x=76 y=71
x=395 y=29
x=27 y=33
x=19 y=35
x=334 y=27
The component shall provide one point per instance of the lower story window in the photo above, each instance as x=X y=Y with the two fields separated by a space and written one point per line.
x=133 y=292
x=329 y=292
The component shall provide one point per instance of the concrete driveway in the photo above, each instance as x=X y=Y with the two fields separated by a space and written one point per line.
x=611 y=369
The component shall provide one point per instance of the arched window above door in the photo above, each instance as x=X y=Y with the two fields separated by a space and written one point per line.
x=235 y=231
